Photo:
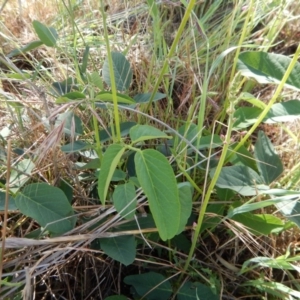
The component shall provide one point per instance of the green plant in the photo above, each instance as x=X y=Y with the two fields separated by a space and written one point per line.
x=145 y=169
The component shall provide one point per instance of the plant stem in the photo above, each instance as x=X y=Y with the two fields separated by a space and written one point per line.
x=230 y=112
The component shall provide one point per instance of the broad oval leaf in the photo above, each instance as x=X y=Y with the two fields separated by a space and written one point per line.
x=153 y=284
x=121 y=69
x=159 y=185
x=268 y=68
x=124 y=198
x=120 y=248
x=241 y=179
x=268 y=161
x=47 y=35
x=48 y=205
x=110 y=161
x=140 y=133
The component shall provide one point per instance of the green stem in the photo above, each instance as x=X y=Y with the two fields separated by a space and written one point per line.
x=211 y=186
x=112 y=77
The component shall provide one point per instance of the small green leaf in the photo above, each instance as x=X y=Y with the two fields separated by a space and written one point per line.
x=151 y=282
x=110 y=161
x=268 y=68
x=140 y=133
x=20 y=174
x=96 y=80
x=48 y=205
x=30 y=46
x=60 y=88
x=186 y=201
x=144 y=98
x=241 y=179
x=116 y=297
x=11 y=202
x=192 y=290
x=121 y=69
x=245 y=117
x=47 y=35
x=242 y=157
x=106 y=134
x=159 y=185
x=262 y=224
x=120 y=248
x=72 y=123
x=75 y=95
x=75 y=147
x=287 y=111
x=125 y=196
x=268 y=162
x=108 y=97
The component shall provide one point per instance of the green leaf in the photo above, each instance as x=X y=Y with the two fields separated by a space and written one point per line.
x=268 y=68
x=287 y=111
x=290 y=209
x=245 y=117
x=259 y=224
x=121 y=69
x=190 y=291
x=75 y=147
x=125 y=196
x=48 y=205
x=96 y=80
x=20 y=174
x=60 y=88
x=120 y=248
x=159 y=185
x=144 y=98
x=241 y=179
x=192 y=132
x=268 y=162
x=85 y=58
x=186 y=201
x=144 y=283
x=110 y=161
x=116 y=297
x=28 y=47
x=11 y=202
x=47 y=35
x=140 y=133
x=242 y=157
x=108 y=97
x=72 y=123
x=75 y=96
x=106 y=135
x=252 y=100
